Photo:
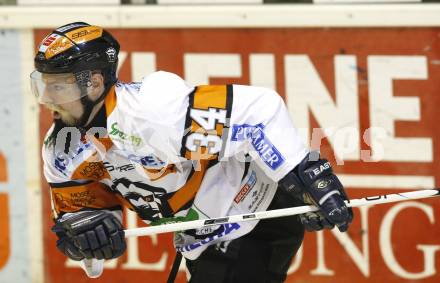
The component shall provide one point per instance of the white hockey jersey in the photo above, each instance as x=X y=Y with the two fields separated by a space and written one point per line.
x=173 y=152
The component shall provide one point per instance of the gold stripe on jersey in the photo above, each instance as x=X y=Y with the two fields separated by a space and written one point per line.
x=93 y=195
x=187 y=193
x=110 y=101
x=156 y=174
x=203 y=99
x=106 y=142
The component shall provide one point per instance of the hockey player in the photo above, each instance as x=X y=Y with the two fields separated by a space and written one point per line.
x=173 y=152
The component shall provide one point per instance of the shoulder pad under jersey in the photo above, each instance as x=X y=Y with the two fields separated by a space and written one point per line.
x=150 y=118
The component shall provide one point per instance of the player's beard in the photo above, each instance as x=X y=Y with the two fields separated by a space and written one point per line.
x=69 y=120
x=65 y=119
x=61 y=120
x=65 y=116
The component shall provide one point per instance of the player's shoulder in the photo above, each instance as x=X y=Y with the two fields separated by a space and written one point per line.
x=157 y=90
x=162 y=76
x=165 y=84
x=158 y=105
x=160 y=96
x=246 y=96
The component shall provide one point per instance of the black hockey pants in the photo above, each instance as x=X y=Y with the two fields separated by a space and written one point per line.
x=262 y=256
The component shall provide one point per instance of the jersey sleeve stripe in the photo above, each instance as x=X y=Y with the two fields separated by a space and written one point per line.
x=110 y=101
x=69 y=184
x=189 y=190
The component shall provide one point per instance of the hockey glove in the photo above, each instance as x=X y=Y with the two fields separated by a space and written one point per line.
x=314 y=182
x=65 y=244
x=90 y=234
x=315 y=221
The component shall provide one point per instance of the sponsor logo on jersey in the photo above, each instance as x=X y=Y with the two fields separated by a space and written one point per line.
x=83 y=198
x=244 y=131
x=148 y=161
x=226 y=229
x=93 y=170
x=152 y=161
x=61 y=163
x=120 y=135
x=258 y=197
x=62 y=159
x=264 y=147
x=123 y=168
x=153 y=167
x=246 y=188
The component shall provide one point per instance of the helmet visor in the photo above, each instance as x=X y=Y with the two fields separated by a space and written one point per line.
x=55 y=88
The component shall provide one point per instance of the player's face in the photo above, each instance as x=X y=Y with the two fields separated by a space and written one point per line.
x=62 y=97
x=61 y=94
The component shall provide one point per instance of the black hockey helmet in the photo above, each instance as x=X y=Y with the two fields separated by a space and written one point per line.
x=65 y=63
x=78 y=47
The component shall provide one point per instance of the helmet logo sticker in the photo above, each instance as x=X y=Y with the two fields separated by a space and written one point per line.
x=78 y=46
x=71 y=26
x=111 y=54
x=84 y=34
x=58 y=46
x=47 y=42
x=50 y=39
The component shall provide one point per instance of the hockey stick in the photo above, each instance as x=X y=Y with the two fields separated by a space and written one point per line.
x=94 y=267
x=197 y=224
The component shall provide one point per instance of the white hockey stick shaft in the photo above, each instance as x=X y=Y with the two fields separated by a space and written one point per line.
x=94 y=267
x=197 y=224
